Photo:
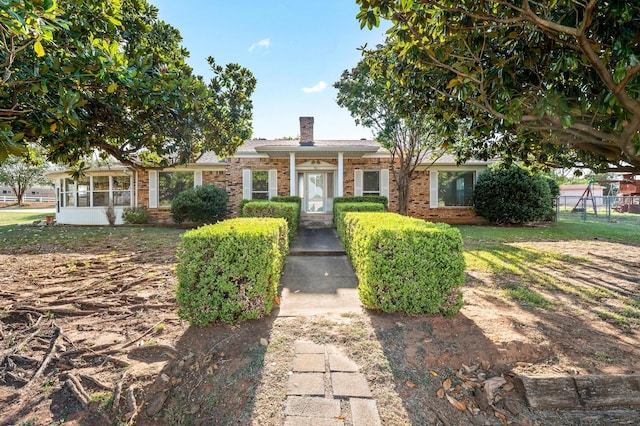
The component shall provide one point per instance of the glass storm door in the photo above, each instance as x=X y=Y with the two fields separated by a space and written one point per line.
x=316 y=194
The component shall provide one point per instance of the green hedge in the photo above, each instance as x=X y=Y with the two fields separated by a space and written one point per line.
x=405 y=264
x=288 y=211
x=230 y=271
x=287 y=199
x=339 y=210
x=363 y=199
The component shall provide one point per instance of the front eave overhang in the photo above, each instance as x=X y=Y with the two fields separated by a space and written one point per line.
x=348 y=151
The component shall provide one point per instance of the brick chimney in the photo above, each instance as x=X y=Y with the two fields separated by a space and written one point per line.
x=306 y=131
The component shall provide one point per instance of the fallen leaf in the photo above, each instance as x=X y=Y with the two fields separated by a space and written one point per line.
x=277 y=301
x=447 y=384
x=440 y=393
x=523 y=364
x=264 y=342
x=492 y=384
x=460 y=405
x=433 y=373
x=340 y=417
x=502 y=417
x=508 y=387
x=486 y=365
x=411 y=384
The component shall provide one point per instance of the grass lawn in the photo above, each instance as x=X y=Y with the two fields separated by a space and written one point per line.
x=538 y=267
x=13 y=217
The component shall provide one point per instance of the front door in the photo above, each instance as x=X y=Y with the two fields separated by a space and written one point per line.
x=316 y=192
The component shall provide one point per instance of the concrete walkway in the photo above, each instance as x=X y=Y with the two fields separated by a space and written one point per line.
x=318 y=277
x=325 y=386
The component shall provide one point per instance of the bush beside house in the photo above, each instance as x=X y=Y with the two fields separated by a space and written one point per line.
x=230 y=271
x=290 y=211
x=363 y=199
x=405 y=264
x=202 y=204
x=512 y=196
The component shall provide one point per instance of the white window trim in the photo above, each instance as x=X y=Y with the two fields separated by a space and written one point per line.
x=154 y=185
x=383 y=185
x=433 y=184
x=247 y=183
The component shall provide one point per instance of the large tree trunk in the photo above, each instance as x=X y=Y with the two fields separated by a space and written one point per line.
x=404 y=186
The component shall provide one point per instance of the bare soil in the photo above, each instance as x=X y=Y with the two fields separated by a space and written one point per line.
x=91 y=336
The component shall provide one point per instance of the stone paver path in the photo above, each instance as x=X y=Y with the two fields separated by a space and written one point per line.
x=326 y=388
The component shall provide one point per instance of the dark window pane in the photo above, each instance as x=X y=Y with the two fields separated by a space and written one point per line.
x=455 y=188
x=171 y=184
x=260 y=180
x=371 y=182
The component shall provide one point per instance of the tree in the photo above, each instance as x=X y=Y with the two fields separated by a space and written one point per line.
x=22 y=173
x=112 y=77
x=411 y=136
x=554 y=81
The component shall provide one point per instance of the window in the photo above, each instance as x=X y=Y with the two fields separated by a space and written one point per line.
x=259 y=185
x=68 y=192
x=371 y=182
x=171 y=184
x=96 y=191
x=83 y=192
x=100 y=191
x=455 y=188
x=121 y=190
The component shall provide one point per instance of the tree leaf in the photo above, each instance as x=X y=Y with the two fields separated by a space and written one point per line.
x=460 y=405
x=411 y=384
x=112 y=87
x=37 y=47
x=447 y=384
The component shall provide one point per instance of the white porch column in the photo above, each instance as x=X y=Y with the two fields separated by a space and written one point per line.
x=340 y=174
x=292 y=173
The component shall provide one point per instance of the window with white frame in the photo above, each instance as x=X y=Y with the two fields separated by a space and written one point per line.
x=455 y=188
x=371 y=182
x=96 y=191
x=259 y=185
x=171 y=184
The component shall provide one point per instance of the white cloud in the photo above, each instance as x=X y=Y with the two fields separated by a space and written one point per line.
x=317 y=88
x=262 y=43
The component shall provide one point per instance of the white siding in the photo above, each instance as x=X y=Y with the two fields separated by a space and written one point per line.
x=197 y=178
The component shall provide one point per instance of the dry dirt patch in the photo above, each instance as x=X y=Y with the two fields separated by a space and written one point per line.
x=90 y=335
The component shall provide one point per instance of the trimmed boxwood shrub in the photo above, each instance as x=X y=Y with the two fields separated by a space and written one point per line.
x=287 y=199
x=512 y=195
x=288 y=211
x=230 y=271
x=134 y=215
x=339 y=210
x=405 y=264
x=362 y=199
x=202 y=204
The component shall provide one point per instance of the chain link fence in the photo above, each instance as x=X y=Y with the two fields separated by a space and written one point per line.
x=602 y=209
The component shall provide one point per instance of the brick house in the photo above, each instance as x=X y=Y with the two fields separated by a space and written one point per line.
x=317 y=171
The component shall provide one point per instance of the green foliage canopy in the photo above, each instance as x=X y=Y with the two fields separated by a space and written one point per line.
x=553 y=81
x=107 y=75
x=412 y=134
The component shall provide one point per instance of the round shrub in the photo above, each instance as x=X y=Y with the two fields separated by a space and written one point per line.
x=134 y=215
x=512 y=195
x=202 y=204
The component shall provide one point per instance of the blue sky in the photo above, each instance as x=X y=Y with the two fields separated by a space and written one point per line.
x=296 y=49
